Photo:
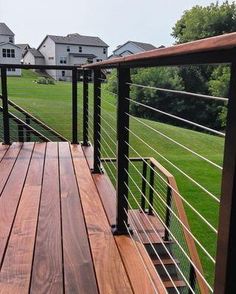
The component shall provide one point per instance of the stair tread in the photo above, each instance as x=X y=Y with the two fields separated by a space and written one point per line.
x=178 y=283
x=165 y=260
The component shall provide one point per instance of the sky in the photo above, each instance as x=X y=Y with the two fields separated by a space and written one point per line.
x=115 y=22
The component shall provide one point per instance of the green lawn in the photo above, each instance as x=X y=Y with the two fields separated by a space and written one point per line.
x=52 y=104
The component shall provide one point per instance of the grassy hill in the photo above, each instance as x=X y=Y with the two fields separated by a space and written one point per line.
x=52 y=104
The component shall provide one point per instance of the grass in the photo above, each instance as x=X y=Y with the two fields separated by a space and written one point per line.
x=52 y=104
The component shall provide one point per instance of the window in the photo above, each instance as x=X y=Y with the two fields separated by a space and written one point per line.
x=11 y=39
x=68 y=49
x=63 y=73
x=80 y=49
x=63 y=60
x=99 y=60
x=11 y=69
x=104 y=50
x=8 y=53
x=50 y=58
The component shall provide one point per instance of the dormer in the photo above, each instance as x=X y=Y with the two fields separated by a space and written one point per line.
x=6 y=35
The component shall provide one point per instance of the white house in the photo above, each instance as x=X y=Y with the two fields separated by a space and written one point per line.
x=73 y=49
x=131 y=47
x=9 y=52
x=24 y=48
x=33 y=56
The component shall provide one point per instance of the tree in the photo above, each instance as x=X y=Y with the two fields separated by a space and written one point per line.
x=202 y=22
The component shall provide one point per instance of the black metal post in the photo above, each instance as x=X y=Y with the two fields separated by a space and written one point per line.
x=150 y=210
x=20 y=133
x=167 y=220
x=143 y=202
x=27 y=120
x=122 y=152
x=85 y=108
x=225 y=272
x=192 y=279
x=74 y=107
x=6 y=125
x=97 y=121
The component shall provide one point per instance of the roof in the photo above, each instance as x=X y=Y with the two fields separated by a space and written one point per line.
x=83 y=55
x=144 y=46
x=77 y=39
x=35 y=53
x=23 y=46
x=9 y=44
x=4 y=30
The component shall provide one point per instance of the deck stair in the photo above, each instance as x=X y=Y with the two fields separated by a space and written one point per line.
x=153 y=240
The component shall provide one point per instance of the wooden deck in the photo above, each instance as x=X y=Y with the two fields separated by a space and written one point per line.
x=55 y=234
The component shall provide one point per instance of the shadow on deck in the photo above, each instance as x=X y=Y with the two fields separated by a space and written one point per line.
x=55 y=234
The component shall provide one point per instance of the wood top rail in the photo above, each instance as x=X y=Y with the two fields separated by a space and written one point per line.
x=183 y=217
x=219 y=49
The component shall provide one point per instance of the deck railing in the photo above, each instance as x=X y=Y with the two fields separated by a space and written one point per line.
x=216 y=50
x=133 y=177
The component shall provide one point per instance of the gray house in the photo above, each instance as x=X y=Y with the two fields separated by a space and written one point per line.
x=9 y=52
x=24 y=48
x=73 y=49
x=33 y=56
x=131 y=47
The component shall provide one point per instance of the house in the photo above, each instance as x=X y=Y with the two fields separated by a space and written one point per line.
x=9 y=52
x=131 y=47
x=73 y=49
x=33 y=56
x=24 y=48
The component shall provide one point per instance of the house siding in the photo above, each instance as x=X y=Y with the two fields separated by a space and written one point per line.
x=48 y=50
x=127 y=47
x=16 y=60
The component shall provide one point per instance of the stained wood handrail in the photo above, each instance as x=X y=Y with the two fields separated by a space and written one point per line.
x=225 y=42
x=184 y=219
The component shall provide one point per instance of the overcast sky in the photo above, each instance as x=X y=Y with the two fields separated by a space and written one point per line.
x=114 y=21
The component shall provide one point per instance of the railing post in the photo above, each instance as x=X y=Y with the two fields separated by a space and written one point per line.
x=143 y=202
x=85 y=108
x=74 y=107
x=20 y=133
x=6 y=125
x=192 y=278
x=27 y=120
x=168 y=213
x=122 y=152
x=226 y=245
x=151 y=182
x=97 y=121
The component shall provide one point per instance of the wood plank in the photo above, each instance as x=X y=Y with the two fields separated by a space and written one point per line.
x=16 y=268
x=107 y=194
x=78 y=266
x=3 y=150
x=47 y=274
x=134 y=264
x=8 y=162
x=110 y=271
x=11 y=195
x=88 y=152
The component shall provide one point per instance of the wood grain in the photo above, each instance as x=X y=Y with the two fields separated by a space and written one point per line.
x=16 y=268
x=11 y=195
x=110 y=271
x=78 y=266
x=7 y=163
x=47 y=275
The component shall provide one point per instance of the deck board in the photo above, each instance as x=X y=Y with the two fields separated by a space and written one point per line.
x=47 y=276
x=11 y=195
x=19 y=254
x=77 y=255
x=55 y=234
x=107 y=260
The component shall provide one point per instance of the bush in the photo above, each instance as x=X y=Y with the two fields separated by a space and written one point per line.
x=45 y=81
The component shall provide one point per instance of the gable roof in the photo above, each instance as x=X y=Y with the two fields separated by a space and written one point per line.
x=141 y=45
x=34 y=52
x=4 y=30
x=144 y=46
x=23 y=46
x=9 y=44
x=76 y=39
